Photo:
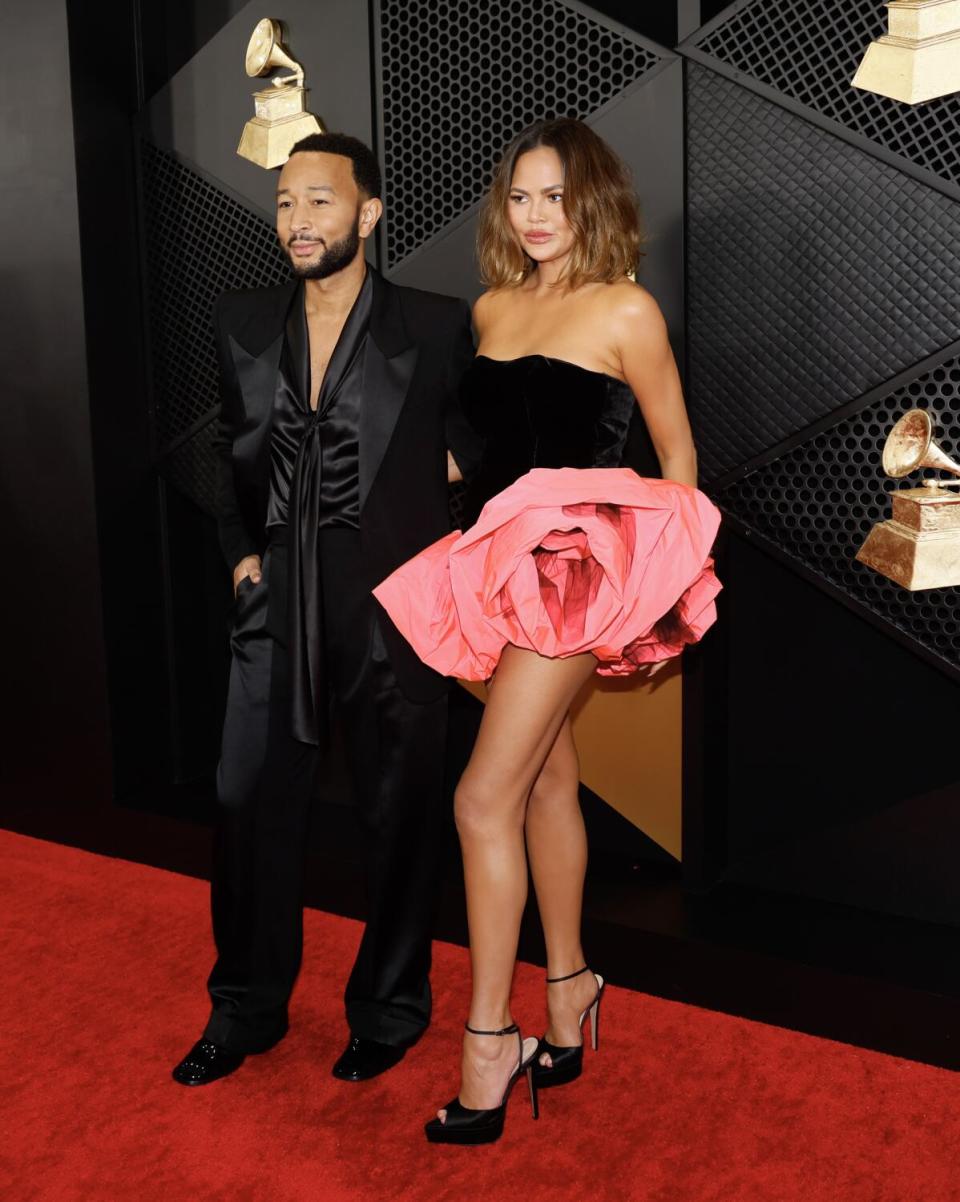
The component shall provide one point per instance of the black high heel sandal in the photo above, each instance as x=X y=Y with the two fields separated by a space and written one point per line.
x=567 y=1063
x=465 y=1126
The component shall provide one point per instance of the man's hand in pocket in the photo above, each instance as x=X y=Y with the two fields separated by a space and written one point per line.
x=248 y=566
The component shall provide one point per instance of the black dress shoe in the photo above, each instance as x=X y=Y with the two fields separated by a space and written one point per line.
x=365 y=1058
x=206 y=1062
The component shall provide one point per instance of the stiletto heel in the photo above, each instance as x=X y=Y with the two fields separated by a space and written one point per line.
x=567 y=1063
x=532 y=1086
x=466 y=1126
x=595 y=1022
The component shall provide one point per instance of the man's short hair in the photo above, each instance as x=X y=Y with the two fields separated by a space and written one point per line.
x=366 y=169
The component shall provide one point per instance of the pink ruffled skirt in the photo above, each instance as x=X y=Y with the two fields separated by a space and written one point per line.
x=565 y=560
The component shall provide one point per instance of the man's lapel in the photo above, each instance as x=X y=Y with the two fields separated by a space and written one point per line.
x=256 y=346
x=389 y=365
x=298 y=345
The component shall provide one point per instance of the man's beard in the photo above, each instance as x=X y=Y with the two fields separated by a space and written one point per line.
x=335 y=258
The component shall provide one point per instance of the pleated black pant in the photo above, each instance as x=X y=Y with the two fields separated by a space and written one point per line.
x=266 y=781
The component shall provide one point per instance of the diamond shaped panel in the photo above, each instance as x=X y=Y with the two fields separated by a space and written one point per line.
x=810 y=50
x=816 y=272
x=192 y=468
x=461 y=77
x=199 y=243
x=819 y=502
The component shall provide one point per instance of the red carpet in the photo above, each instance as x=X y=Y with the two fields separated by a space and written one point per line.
x=680 y=1104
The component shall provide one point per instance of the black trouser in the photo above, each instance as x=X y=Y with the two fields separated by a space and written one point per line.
x=266 y=780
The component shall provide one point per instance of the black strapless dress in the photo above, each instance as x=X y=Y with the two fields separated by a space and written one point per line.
x=563 y=550
x=541 y=412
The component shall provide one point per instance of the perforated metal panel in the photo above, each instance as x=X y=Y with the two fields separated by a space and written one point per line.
x=809 y=50
x=819 y=503
x=815 y=272
x=461 y=77
x=192 y=468
x=200 y=243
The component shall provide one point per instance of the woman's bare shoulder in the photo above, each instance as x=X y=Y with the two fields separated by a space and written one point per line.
x=632 y=313
x=483 y=306
x=630 y=301
x=489 y=305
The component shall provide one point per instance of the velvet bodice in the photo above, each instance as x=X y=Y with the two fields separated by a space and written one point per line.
x=536 y=411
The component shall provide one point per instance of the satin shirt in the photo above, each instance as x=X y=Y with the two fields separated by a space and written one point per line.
x=327 y=438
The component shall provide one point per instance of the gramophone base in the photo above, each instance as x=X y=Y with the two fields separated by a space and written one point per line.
x=914 y=560
x=911 y=71
x=268 y=143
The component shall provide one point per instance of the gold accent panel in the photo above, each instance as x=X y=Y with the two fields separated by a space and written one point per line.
x=629 y=737
x=919 y=58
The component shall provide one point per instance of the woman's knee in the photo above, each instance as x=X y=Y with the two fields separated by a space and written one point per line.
x=481 y=810
x=558 y=782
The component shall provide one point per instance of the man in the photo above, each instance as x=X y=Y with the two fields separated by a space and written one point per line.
x=338 y=420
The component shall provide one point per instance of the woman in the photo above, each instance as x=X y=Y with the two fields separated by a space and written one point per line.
x=568 y=346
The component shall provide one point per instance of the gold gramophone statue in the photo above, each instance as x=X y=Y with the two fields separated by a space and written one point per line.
x=281 y=119
x=920 y=546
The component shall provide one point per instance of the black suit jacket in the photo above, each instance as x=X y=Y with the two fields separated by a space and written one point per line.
x=419 y=346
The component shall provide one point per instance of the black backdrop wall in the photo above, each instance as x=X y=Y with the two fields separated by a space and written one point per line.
x=820 y=230
x=55 y=730
x=823 y=286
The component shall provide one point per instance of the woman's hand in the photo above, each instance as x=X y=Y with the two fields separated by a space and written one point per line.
x=248 y=566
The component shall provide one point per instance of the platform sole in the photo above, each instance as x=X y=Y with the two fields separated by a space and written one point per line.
x=463 y=1135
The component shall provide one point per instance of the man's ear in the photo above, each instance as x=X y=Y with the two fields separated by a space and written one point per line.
x=370 y=213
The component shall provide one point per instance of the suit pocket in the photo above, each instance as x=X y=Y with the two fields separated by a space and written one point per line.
x=244 y=611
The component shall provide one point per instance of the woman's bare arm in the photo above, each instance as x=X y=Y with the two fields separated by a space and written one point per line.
x=649 y=368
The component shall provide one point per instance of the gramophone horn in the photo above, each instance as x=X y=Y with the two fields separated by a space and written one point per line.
x=264 y=52
x=910 y=445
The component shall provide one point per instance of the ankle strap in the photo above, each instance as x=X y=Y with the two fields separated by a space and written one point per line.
x=568 y=977
x=511 y=1030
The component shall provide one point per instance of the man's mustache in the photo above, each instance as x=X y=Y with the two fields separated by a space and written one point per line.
x=300 y=238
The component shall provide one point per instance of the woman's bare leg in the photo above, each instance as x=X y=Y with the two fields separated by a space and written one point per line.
x=524 y=712
x=557 y=849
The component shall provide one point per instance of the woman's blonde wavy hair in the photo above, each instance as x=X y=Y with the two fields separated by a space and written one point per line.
x=598 y=201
